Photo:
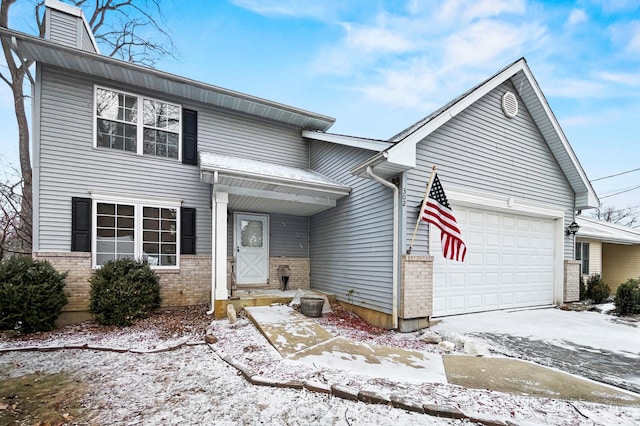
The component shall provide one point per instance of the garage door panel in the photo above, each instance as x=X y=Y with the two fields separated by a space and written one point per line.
x=509 y=263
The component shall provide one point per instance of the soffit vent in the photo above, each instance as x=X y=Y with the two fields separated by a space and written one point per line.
x=510 y=104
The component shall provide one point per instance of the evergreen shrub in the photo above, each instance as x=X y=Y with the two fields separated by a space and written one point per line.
x=123 y=291
x=597 y=290
x=31 y=294
x=627 y=299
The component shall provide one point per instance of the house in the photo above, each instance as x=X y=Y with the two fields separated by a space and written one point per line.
x=609 y=250
x=215 y=187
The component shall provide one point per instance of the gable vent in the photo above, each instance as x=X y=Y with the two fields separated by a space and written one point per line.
x=510 y=104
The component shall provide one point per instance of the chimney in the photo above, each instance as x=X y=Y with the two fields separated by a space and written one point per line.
x=67 y=25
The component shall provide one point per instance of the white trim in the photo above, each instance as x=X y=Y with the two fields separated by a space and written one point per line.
x=356 y=142
x=138 y=204
x=139 y=123
x=110 y=197
x=506 y=204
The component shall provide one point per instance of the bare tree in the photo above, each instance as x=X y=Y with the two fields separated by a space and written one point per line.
x=120 y=28
x=13 y=236
x=629 y=216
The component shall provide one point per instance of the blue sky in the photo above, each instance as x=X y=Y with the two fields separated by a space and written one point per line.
x=379 y=66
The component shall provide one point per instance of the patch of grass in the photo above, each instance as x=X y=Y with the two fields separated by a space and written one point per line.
x=42 y=399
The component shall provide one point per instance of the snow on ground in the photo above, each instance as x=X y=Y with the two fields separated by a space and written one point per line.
x=571 y=328
x=192 y=385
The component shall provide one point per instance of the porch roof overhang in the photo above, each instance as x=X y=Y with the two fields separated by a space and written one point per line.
x=607 y=232
x=259 y=186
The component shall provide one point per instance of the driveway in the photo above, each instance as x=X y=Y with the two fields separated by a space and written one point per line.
x=589 y=344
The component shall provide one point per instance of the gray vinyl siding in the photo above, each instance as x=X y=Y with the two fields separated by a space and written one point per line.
x=288 y=235
x=63 y=28
x=351 y=245
x=71 y=167
x=481 y=149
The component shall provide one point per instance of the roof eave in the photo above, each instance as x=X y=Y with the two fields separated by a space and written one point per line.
x=44 y=51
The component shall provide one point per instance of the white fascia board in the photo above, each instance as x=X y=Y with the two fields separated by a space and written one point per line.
x=353 y=141
x=274 y=195
x=465 y=197
x=458 y=107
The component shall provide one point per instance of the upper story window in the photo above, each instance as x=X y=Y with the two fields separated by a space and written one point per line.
x=137 y=124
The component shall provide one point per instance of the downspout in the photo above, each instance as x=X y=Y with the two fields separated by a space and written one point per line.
x=394 y=267
x=213 y=246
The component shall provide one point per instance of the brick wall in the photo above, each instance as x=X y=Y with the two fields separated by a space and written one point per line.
x=299 y=267
x=571 y=280
x=416 y=293
x=191 y=285
x=78 y=266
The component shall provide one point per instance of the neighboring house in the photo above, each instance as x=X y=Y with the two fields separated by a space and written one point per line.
x=206 y=183
x=609 y=250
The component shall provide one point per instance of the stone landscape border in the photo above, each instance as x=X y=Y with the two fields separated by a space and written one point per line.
x=337 y=390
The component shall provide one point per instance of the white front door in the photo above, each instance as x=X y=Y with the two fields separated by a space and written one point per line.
x=251 y=239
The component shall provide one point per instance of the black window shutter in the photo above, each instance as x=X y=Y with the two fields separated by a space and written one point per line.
x=188 y=230
x=81 y=224
x=189 y=136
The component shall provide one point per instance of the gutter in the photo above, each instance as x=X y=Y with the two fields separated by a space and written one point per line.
x=395 y=269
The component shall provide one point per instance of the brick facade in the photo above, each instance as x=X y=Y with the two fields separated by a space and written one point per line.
x=571 y=281
x=191 y=285
x=300 y=272
x=416 y=293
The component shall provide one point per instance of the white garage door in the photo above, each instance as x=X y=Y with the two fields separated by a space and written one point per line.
x=509 y=263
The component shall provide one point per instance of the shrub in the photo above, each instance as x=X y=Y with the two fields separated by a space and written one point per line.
x=597 y=290
x=583 y=289
x=627 y=299
x=31 y=294
x=123 y=291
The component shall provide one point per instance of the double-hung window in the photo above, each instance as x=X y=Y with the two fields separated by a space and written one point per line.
x=582 y=254
x=136 y=229
x=138 y=124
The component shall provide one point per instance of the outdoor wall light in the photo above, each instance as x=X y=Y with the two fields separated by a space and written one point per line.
x=573 y=228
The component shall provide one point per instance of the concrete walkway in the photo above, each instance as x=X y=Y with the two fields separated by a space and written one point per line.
x=298 y=337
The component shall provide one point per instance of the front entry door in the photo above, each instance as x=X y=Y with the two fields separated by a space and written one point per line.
x=251 y=239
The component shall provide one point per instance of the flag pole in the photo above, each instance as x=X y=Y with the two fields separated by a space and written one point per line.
x=424 y=203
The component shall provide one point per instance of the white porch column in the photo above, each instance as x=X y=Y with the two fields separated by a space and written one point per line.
x=219 y=289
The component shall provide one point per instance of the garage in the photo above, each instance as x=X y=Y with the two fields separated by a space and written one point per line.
x=509 y=263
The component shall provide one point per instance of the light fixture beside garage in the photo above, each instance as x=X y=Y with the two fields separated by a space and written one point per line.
x=510 y=104
x=573 y=228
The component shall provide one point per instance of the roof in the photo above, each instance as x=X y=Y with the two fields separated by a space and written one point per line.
x=606 y=232
x=52 y=53
x=402 y=155
x=255 y=185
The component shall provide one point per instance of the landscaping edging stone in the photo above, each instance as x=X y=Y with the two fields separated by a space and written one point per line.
x=337 y=390
x=352 y=394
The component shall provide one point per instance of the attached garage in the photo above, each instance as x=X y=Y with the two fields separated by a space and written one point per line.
x=509 y=263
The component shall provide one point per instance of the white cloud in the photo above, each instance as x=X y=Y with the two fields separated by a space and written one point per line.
x=375 y=39
x=622 y=78
x=291 y=8
x=576 y=17
x=461 y=11
x=484 y=41
x=633 y=46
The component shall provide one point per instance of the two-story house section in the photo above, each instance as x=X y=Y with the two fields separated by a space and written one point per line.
x=211 y=186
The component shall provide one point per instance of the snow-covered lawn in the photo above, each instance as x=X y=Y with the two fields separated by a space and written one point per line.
x=193 y=385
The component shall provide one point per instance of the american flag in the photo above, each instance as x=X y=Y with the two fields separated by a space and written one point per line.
x=438 y=212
